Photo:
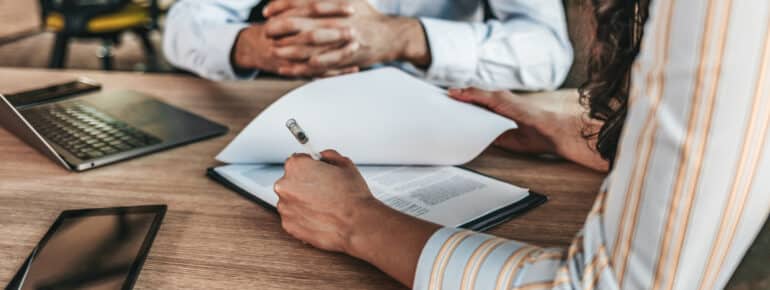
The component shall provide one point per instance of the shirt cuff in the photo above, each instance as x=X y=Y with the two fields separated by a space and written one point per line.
x=453 y=257
x=220 y=52
x=444 y=258
x=429 y=256
x=454 y=56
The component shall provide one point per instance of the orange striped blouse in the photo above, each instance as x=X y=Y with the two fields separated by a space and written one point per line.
x=691 y=186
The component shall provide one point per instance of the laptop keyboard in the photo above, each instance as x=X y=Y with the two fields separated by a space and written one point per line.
x=86 y=132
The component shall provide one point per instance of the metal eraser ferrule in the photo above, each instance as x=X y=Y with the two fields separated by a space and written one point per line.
x=297 y=131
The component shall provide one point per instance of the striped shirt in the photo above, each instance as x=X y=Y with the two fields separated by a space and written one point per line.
x=691 y=186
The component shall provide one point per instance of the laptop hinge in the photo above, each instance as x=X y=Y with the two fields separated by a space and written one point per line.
x=15 y=123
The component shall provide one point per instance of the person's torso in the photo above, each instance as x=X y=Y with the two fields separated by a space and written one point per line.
x=460 y=10
x=457 y=10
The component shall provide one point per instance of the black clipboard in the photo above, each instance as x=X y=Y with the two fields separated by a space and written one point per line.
x=480 y=224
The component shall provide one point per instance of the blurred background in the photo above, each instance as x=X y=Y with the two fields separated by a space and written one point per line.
x=107 y=34
x=110 y=34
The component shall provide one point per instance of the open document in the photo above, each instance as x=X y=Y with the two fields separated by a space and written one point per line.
x=383 y=120
x=445 y=195
x=383 y=116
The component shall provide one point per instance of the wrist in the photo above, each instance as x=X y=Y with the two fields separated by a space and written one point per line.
x=250 y=45
x=377 y=228
x=579 y=143
x=364 y=225
x=409 y=41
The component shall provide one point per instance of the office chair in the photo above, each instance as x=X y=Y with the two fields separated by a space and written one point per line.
x=103 y=19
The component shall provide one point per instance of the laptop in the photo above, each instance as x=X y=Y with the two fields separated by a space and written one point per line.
x=80 y=127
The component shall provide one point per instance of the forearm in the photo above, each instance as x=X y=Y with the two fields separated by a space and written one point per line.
x=563 y=117
x=410 y=42
x=390 y=240
x=575 y=146
x=582 y=152
x=199 y=37
x=580 y=149
x=251 y=50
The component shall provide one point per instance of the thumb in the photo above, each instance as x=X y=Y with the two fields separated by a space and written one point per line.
x=335 y=158
x=487 y=99
x=501 y=102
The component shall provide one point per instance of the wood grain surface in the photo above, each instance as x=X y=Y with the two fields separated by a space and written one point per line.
x=211 y=237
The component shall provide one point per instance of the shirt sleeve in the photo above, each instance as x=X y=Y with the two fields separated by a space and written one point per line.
x=688 y=193
x=200 y=34
x=459 y=259
x=528 y=48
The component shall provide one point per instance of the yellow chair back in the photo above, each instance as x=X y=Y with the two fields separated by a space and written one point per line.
x=132 y=16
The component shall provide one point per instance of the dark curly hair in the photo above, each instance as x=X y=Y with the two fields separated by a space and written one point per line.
x=619 y=30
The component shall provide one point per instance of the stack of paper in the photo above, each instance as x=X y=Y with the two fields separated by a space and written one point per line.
x=381 y=117
x=377 y=118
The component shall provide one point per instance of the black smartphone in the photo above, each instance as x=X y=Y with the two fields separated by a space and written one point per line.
x=52 y=93
x=92 y=249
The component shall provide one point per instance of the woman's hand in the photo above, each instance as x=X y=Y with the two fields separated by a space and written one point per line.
x=328 y=205
x=319 y=202
x=548 y=123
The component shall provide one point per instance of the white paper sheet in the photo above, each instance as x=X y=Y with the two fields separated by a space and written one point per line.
x=383 y=116
x=445 y=195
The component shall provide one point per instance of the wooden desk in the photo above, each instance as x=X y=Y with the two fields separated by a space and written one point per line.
x=211 y=237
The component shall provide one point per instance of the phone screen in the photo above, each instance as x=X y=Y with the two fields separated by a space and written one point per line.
x=91 y=251
x=51 y=93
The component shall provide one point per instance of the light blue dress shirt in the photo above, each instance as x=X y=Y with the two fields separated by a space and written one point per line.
x=525 y=48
